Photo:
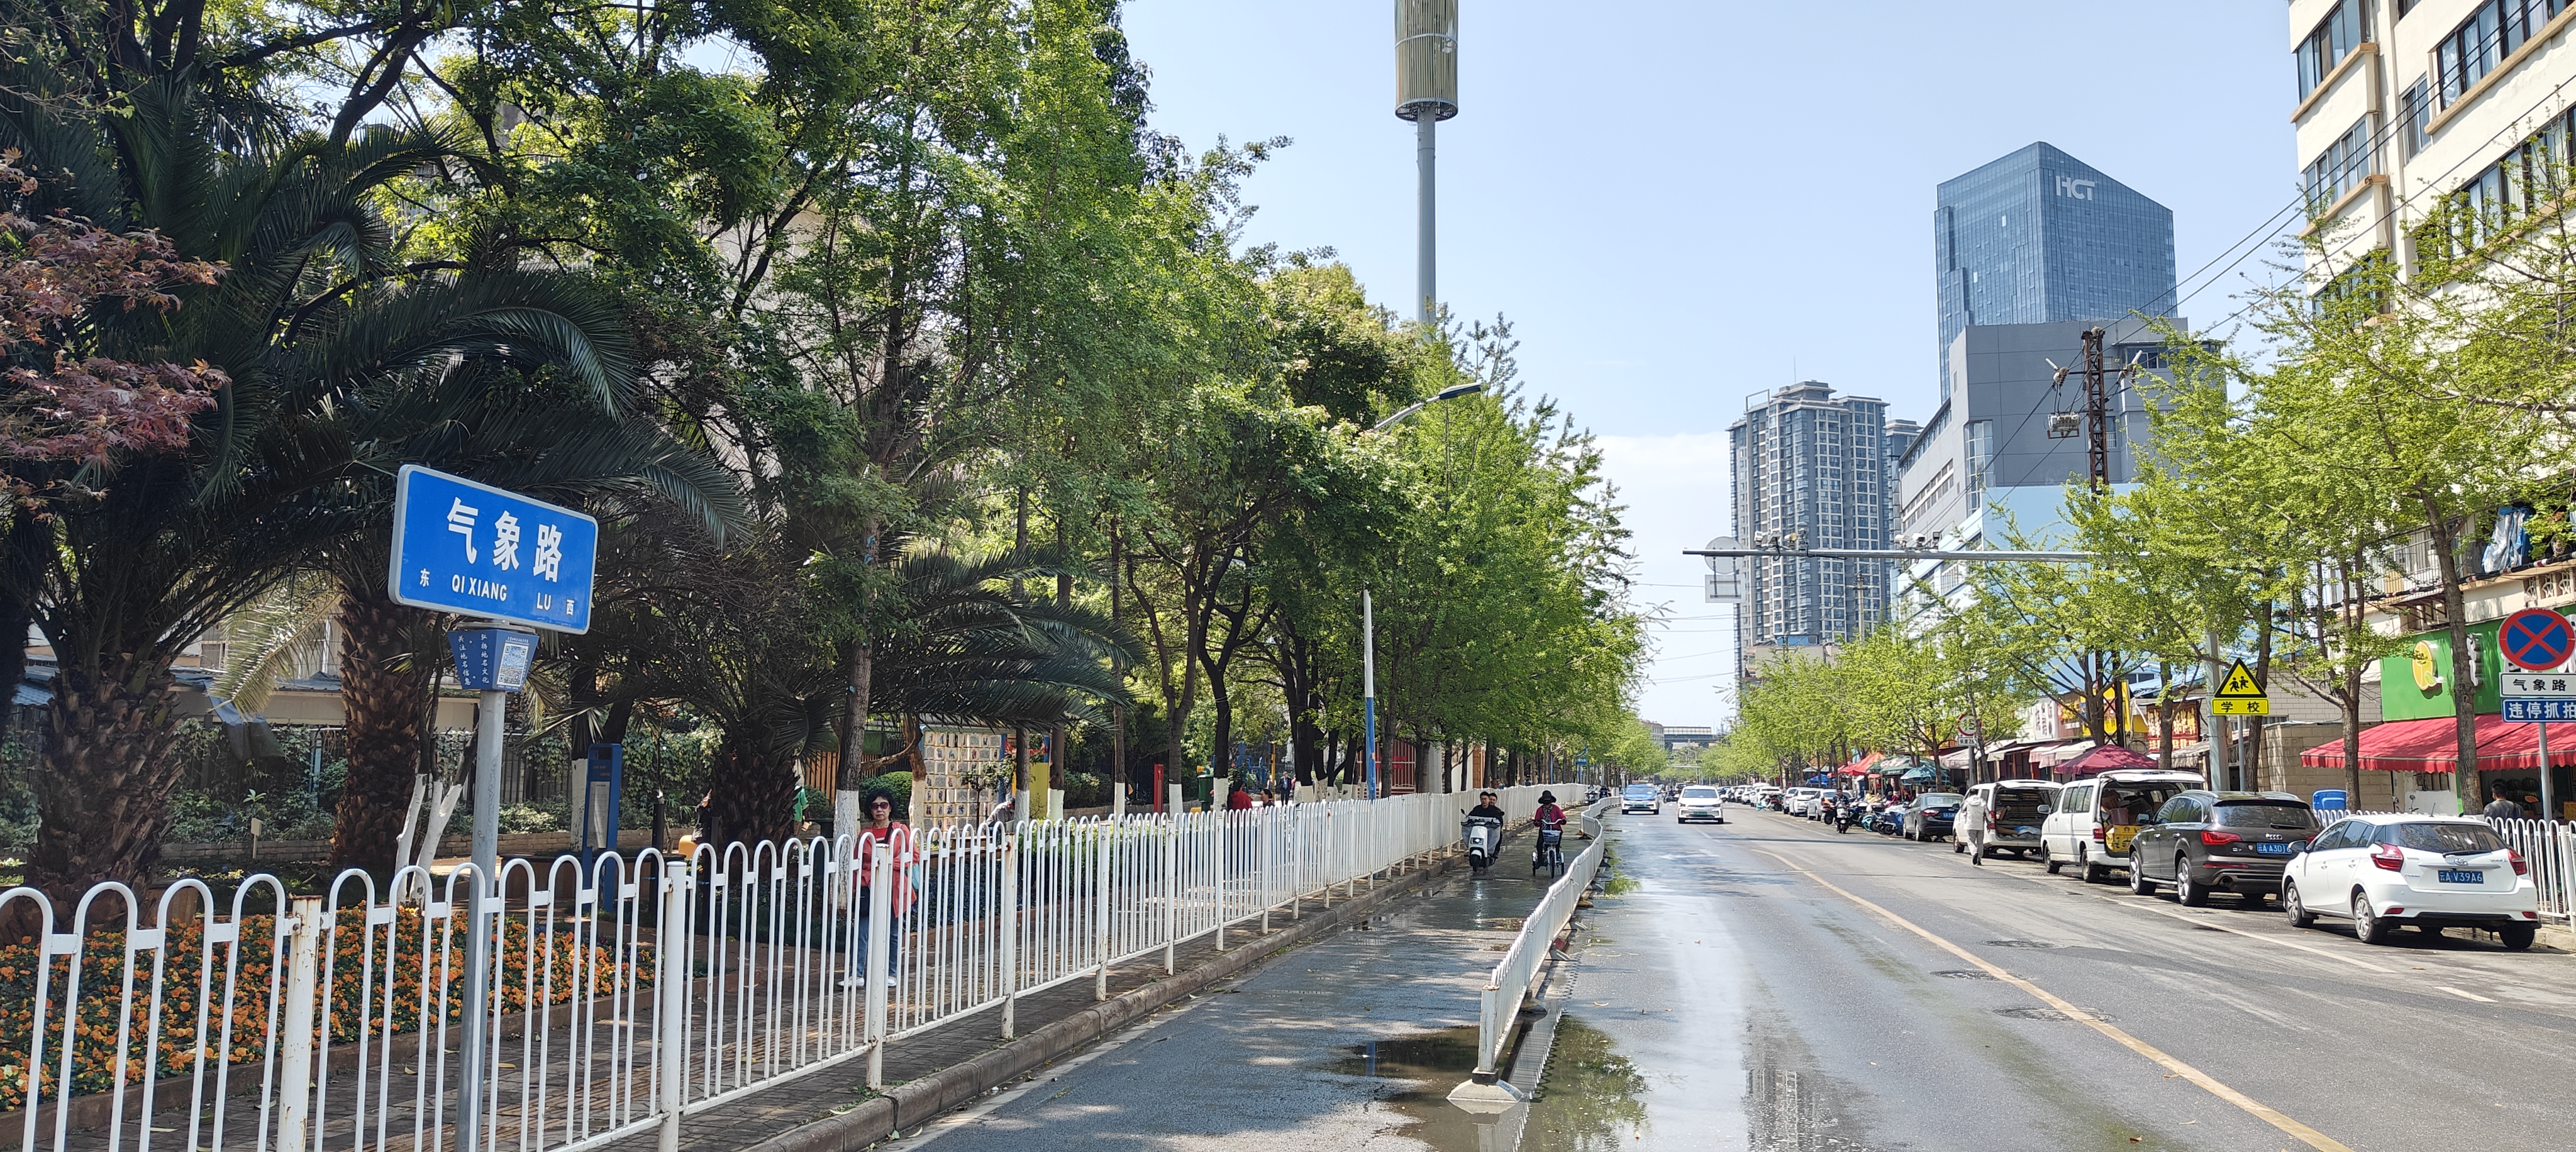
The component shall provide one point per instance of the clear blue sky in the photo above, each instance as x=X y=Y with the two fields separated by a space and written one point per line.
x=1679 y=204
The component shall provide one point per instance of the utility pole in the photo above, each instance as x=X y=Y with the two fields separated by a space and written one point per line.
x=1426 y=92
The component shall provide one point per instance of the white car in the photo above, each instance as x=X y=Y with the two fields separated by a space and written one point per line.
x=2433 y=872
x=1641 y=798
x=1701 y=802
x=1796 y=800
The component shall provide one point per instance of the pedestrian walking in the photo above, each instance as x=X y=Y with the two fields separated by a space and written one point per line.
x=2503 y=807
x=883 y=829
x=1968 y=832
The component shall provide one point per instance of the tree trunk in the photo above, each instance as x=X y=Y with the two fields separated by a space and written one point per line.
x=2351 y=700
x=2164 y=716
x=755 y=793
x=859 y=662
x=103 y=782
x=2464 y=699
x=385 y=692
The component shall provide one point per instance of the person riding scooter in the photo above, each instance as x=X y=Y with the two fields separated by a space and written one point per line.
x=1484 y=831
x=1844 y=814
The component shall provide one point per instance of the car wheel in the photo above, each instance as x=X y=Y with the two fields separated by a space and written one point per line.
x=2054 y=864
x=2139 y=885
x=2297 y=912
x=2366 y=923
x=2518 y=937
x=2192 y=893
x=2093 y=873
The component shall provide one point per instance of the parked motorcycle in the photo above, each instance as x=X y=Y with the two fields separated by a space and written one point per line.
x=1484 y=835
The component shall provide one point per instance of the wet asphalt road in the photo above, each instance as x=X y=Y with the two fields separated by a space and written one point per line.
x=1732 y=993
x=1827 y=1026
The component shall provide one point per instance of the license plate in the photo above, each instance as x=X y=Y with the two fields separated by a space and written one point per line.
x=2462 y=876
x=2272 y=849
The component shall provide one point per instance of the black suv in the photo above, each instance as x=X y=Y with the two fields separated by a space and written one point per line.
x=2201 y=841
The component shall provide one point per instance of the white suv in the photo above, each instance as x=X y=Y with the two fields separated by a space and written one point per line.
x=2429 y=871
x=1701 y=802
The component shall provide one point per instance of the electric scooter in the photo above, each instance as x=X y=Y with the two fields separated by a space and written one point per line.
x=1484 y=835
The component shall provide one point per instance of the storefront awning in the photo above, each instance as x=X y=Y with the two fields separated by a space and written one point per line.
x=1862 y=766
x=2054 y=755
x=1916 y=774
x=2106 y=758
x=2432 y=745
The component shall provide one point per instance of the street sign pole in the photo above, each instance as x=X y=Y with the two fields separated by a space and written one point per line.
x=2539 y=640
x=468 y=548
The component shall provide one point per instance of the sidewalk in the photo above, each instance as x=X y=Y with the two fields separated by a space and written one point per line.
x=833 y=1110
x=1355 y=1041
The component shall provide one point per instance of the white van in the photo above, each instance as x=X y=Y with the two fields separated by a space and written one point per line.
x=2015 y=809
x=2095 y=819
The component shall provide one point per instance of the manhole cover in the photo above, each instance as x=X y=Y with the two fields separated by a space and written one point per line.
x=1965 y=974
x=2023 y=944
x=2047 y=1014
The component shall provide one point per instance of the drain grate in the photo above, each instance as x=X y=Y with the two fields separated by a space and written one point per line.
x=2048 y=1014
x=1965 y=974
x=2023 y=944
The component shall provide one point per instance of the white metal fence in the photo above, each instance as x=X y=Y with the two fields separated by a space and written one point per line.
x=1499 y=1014
x=623 y=996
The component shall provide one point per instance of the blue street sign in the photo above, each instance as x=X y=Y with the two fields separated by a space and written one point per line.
x=476 y=550
x=2540 y=708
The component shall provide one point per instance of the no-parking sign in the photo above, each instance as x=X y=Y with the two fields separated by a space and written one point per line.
x=2536 y=639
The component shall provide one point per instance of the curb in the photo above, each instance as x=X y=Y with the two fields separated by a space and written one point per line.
x=916 y=1102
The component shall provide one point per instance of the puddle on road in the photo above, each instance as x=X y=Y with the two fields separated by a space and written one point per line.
x=1588 y=1101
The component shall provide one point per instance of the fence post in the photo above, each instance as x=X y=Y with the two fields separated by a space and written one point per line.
x=880 y=938
x=1224 y=886
x=672 y=942
x=303 y=978
x=1172 y=890
x=1106 y=847
x=1009 y=920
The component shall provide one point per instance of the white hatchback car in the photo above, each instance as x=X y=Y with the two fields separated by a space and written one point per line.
x=2429 y=871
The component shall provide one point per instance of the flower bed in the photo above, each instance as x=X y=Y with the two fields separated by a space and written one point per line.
x=186 y=1033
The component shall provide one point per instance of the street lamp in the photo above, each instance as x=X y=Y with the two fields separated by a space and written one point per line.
x=1368 y=608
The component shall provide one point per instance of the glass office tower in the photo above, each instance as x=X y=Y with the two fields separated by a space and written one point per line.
x=2040 y=237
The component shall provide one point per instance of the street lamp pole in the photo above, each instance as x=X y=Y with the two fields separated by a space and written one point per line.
x=1368 y=684
x=1368 y=609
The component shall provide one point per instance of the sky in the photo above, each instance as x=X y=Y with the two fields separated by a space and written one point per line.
x=1681 y=204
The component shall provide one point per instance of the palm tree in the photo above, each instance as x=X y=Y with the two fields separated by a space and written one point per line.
x=730 y=635
x=341 y=363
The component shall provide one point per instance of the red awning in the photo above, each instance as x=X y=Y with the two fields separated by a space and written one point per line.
x=2432 y=745
x=2105 y=758
x=1862 y=766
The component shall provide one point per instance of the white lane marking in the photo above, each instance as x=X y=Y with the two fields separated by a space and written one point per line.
x=2256 y=1108
x=2465 y=995
x=2199 y=922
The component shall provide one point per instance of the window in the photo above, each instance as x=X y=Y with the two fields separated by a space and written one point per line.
x=2481 y=42
x=2343 y=165
x=1981 y=454
x=2444 y=837
x=2179 y=810
x=2530 y=179
x=2257 y=814
x=2416 y=105
x=2336 y=36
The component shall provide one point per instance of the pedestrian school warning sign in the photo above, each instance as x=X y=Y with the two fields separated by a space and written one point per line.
x=2239 y=695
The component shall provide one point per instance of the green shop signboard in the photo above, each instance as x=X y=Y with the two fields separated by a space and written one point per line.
x=2415 y=684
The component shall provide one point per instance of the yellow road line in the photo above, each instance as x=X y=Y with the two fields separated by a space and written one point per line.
x=2265 y=1112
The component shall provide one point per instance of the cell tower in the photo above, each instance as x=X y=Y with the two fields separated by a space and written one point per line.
x=1426 y=92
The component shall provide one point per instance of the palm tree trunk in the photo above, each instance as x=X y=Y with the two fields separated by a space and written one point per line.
x=754 y=792
x=385 y=691
x=104 y=779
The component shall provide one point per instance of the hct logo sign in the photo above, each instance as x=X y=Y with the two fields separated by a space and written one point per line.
x=2072 y=188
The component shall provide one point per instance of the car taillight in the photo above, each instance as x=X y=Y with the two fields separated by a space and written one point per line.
x=2214 y=839
x=2521 y=867
x=2388 y=856
x=2097 y=834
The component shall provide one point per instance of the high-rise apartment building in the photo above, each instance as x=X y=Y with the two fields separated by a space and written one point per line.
x=1810 y=470
x=2040 y=236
